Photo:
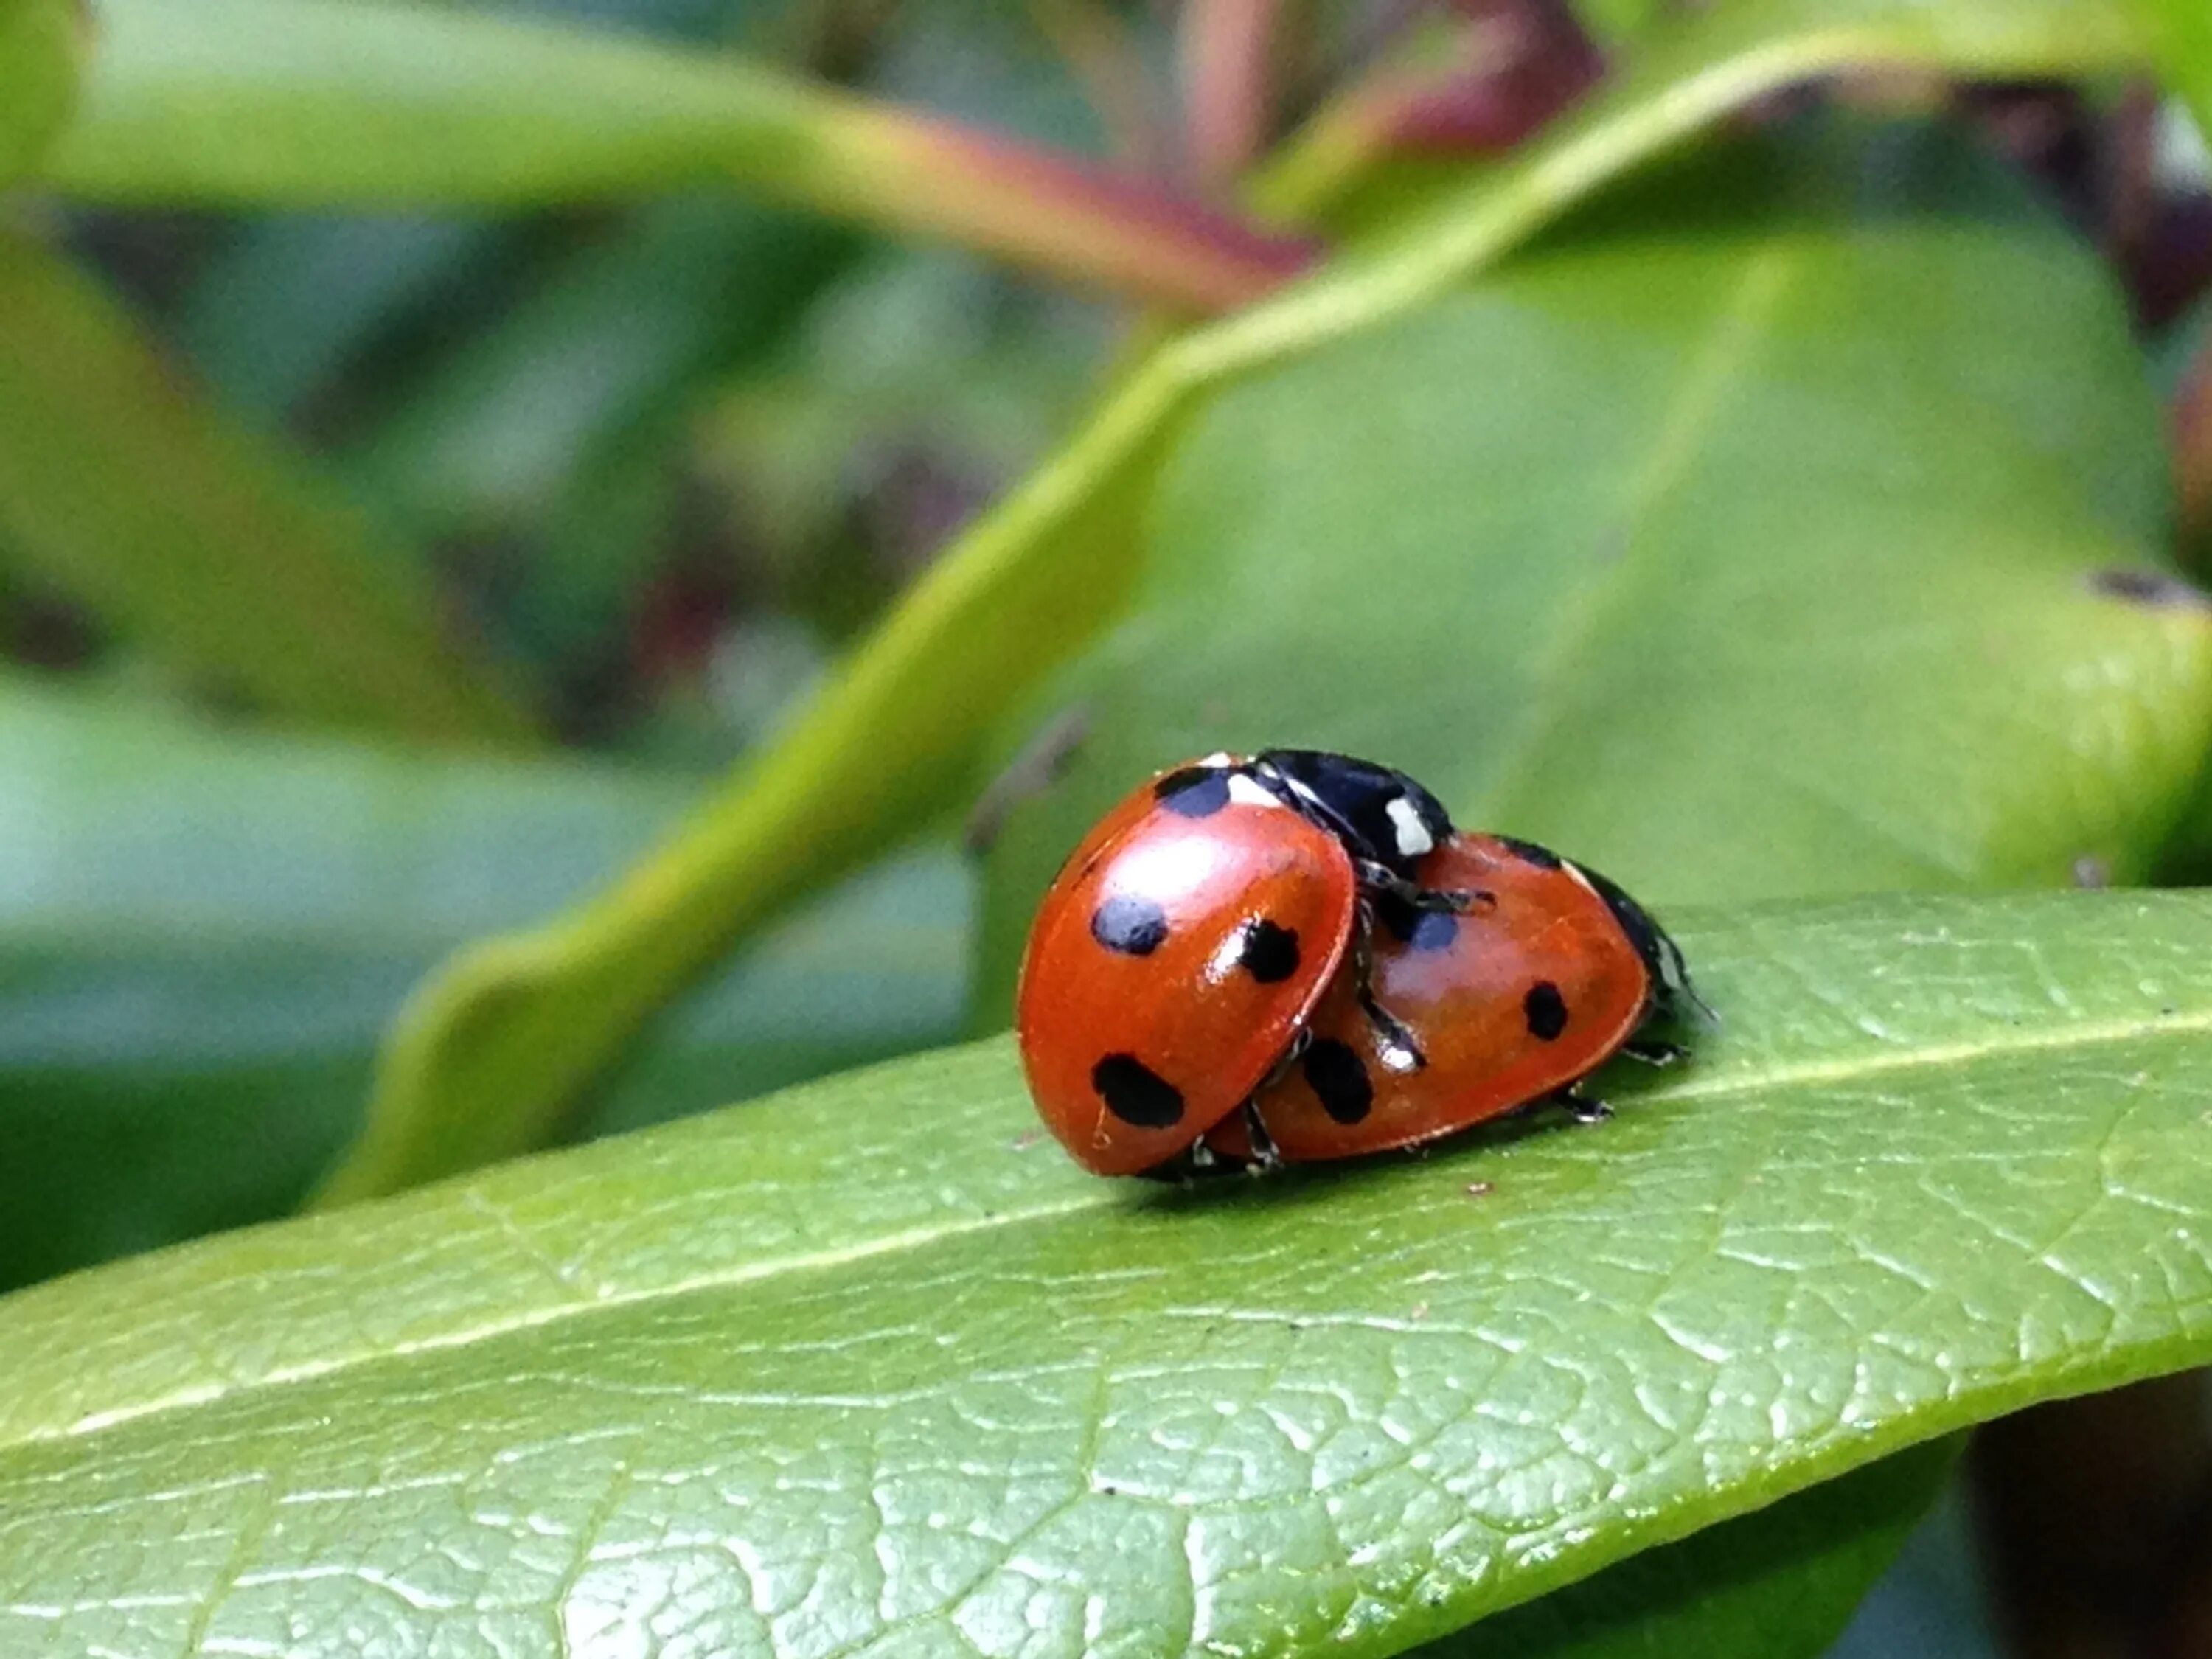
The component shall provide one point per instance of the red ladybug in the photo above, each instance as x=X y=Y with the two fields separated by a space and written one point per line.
x=1186 y=942
x=1555 y=973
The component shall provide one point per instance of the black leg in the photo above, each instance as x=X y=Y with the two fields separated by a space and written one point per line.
x=1398 y=1049
x=1653 y=1052
x=1289 y=1058
x=1381 y=879
x=1265 y=1154
x=1583 y=1109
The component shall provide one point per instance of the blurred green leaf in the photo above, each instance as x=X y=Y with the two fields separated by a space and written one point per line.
x=622 y=337
x=41 y=42
x=1766 y=558
x=291 y=301
x=2179 y=35
x=317 y=103
x=566 y=421
x=125 y=489
x=202 y=935
x=871 y=1363
x=507 y=1032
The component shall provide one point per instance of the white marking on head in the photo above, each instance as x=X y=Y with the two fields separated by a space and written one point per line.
x=1245 y=790
x=1413 y=836
x=1220 y=757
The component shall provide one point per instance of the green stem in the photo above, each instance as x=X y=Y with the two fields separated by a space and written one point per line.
x=309 y=103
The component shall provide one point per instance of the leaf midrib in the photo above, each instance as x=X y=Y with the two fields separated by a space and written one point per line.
x=1741 y=322
x=2089 y=1034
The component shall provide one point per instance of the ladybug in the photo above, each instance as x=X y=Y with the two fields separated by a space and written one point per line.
x=1187 y=941
x=1559 y=971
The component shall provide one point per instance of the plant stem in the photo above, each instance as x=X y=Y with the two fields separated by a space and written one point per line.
x=1058 y=216
x=1224 y=59
x=322 y=104
x=1479 y=91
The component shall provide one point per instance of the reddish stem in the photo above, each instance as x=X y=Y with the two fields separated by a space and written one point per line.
x=1539 y=62
x=1079 y=223
x=1225 y=57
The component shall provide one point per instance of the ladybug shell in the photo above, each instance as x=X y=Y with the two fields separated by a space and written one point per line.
x=1507 y=1002
x=1177 y=953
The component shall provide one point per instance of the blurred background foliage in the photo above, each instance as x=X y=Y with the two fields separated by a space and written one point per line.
x=378 y=578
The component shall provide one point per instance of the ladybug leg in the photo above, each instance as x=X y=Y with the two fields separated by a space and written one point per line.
x=1377 y=878
x=1652 y=1052
x=1393 y=1042
x=1581 y=1107
x=1265 y=1155
x=1281 y=1068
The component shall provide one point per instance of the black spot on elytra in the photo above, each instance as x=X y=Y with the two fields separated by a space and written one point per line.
x=1545 y=1009
x=1270 y=953
x=1134 y=926
x=1338 y=1080
x=1528 y=853
x=1135 y=1093
x=1195 y=792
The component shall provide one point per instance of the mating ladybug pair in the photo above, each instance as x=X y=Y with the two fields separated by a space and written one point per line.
x=1294 y=955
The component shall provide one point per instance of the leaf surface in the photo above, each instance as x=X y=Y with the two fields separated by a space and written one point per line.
x=1780 y=1583
x=2179 y=35
x=40 y=44
x=875 y=1365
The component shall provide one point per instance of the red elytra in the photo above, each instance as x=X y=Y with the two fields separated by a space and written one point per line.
x=1545 y=979
x=1174 y=962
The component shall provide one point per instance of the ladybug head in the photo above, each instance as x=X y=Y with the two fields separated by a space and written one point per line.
x=1379 y=813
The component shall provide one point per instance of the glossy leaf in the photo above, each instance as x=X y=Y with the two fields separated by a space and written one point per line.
x=203 y=936
x=1781 y=1583
x=512 y=1029
x=1777 y=561
x=124 y=488
x=40 y=44
x=875 y=1362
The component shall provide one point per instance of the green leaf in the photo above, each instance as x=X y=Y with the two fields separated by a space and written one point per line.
x=292 y=301
x=2179 y=34
x=512 y=1029
x=1768 y=562
x=875 y=1363
x=204 y=935
x=123 y=487
x=41 y=42
x=624 y=334
x=1781 y=1583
